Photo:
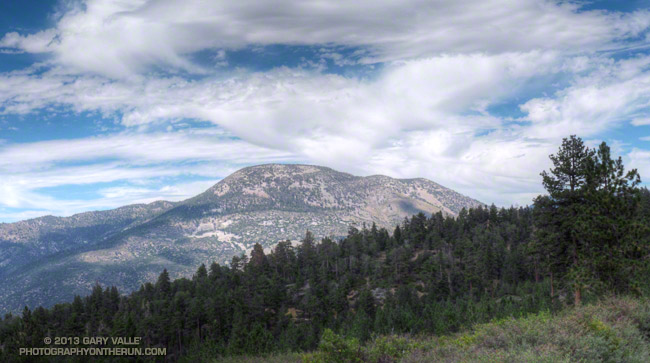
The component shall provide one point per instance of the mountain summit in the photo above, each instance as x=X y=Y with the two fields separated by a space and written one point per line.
x=52 y=258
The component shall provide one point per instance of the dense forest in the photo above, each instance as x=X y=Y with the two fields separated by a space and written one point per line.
x=588 y=237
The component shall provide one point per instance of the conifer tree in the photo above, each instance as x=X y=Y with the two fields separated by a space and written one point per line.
x=163 y=286
x=584 y=224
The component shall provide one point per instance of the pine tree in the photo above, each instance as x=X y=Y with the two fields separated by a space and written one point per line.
x=163 y=286
x=583 y=227
x=610 y=222
x=258 y=259
x=201 y=273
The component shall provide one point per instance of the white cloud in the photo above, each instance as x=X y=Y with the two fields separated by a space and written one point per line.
x=136 y=158
x=499 y=168
x=612 y=93
x=426 y=113
x=277 y=107
x=113 y=197
x=421 y=115
x=639 y=159
x=121 y=39
x=33 y=43
x=640 y=121
x=137 y=149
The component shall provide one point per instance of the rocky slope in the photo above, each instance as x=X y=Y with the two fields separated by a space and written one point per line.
x=50 y=259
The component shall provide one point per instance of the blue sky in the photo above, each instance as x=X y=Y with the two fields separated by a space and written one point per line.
x=106 y=103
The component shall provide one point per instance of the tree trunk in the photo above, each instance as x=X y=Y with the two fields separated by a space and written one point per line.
x=451 y=287
x=180 y=344
x=552 y=289
x=576 y=294
x=336 y=268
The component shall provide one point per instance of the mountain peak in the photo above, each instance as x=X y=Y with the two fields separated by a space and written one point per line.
x=259 y=204
x=279 y=170
x=311 y=188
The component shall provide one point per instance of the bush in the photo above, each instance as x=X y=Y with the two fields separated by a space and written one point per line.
x=337 y=349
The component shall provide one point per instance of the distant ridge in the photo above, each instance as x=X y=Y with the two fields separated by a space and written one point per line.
x=53 y=258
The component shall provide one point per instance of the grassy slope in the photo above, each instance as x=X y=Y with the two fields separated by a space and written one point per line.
x=613 y=330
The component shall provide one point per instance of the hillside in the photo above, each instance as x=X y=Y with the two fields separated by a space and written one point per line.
x=433 y=276
x=28 y=241
x=51 y=259
x=612 y=330
x=412 y=280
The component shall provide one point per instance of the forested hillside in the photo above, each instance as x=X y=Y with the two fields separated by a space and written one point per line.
x=51 y=259
x=431 y=274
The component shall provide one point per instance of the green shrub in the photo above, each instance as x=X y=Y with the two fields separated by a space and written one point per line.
x=336 y=349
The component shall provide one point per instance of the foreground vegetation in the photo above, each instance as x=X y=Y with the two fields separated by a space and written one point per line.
x=435 y=275
x=612 y=330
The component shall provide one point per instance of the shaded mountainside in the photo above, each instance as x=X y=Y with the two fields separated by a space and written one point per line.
x=27 y=241
x=50 y=259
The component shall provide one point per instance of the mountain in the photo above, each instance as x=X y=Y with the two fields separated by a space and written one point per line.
x=26 y=241
x=51 y=259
